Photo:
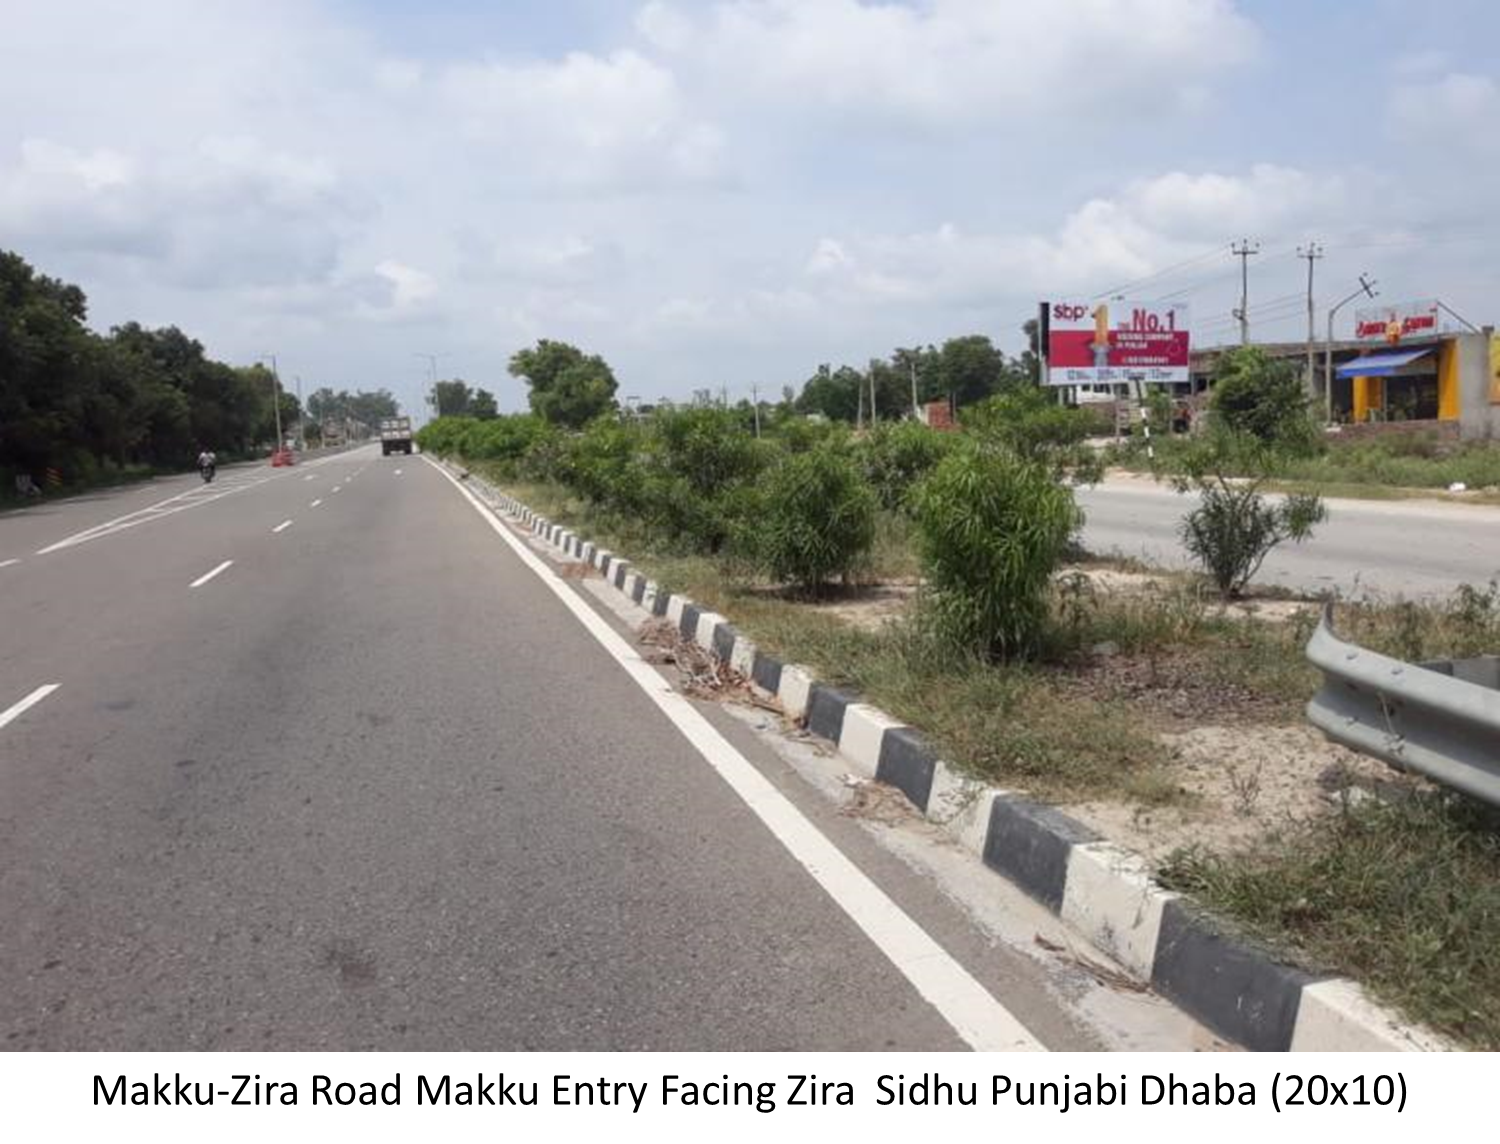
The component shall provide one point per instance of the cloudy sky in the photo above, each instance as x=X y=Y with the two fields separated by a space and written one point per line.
x=728 y=192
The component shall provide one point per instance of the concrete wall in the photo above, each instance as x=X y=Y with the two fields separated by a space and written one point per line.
x=1478 y=419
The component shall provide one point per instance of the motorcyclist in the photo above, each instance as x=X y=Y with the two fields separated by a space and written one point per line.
x=207 y=463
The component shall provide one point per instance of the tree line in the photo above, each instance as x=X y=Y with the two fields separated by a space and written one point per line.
x=93 y=407
x=569 y=388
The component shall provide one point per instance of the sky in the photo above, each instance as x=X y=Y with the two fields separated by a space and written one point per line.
x=725 y=194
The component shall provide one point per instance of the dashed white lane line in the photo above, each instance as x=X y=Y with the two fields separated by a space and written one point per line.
x=316 y=503
x=282 y=526
x=8 y=563
x=975 y=1014
x=16 y=710
x=336 y=488
x=207 y=576
x=398 y=472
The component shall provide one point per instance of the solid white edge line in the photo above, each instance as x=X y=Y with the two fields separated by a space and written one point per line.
x=8 y=563
x=973 y=1012
x=15 y=710
x=283 y=525
x=207 y=576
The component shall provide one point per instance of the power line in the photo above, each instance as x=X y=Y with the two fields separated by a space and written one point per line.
x=1162 y=273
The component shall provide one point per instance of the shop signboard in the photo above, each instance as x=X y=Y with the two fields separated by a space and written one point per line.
x=1109 y=343
x=1399 y=321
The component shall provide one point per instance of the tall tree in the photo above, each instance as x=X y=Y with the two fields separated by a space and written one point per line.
x=834 y=393
x=971 y=368
x=483 y=405
x=568 y=387
x=453 y=397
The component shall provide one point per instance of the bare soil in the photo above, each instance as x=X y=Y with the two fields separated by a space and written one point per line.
x=1243 y=784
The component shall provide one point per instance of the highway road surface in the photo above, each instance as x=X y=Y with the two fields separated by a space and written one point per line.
x=312 y=759
x=1390 y=548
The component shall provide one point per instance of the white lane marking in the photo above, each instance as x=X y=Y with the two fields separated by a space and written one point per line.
x=316 y=503
x=975 y=1015
x=15 y=710
x=336 y=488
x=8 y=563
x=175 y=504
x=207 y=576
x=310 y=477
x=282 y=526
x=398 y=472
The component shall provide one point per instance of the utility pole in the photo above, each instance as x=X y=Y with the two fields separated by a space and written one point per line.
x=276 y=398
x=872 y=394
x=916 y=408
x=432 y=360
x=755 y=405
x=1243 y=250
x=1366 y=286
x=1312 y=252
x=859 y=413
x=301 y=419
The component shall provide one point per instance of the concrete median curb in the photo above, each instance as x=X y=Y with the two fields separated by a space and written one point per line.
x=1103 y=892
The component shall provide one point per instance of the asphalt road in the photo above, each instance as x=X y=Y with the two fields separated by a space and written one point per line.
x=1392 y=548
x=361 y=781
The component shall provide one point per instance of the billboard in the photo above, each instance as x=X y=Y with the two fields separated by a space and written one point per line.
x=1398 y=321
x=1108 y=343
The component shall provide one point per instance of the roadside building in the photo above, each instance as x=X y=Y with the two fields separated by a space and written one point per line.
x=1402 y=368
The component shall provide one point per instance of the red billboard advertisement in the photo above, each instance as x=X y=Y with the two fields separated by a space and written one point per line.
x=1104 y=343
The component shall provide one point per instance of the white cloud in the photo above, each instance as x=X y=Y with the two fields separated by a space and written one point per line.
x=409 y=286
x=1153 y=222
x=1458 y=106
x=957 y=62
x=585 y=121
x=1269 y=200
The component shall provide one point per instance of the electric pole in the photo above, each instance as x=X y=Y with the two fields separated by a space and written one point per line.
x=1243 y=250
x=1312 y=252
x=301 y=419
x=916 y=408
x=276 y=398
x=755 y=404
x=872 y=393
x=432 y=360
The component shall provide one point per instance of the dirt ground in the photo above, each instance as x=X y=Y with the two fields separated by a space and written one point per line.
x=1243 y=784
x=1244 y=771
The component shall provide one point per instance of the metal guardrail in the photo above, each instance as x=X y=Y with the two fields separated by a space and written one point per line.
x=1440 y=720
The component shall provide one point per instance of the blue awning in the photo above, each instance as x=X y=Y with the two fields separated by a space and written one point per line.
x=1381 y=365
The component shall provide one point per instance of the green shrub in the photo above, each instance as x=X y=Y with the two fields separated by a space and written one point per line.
x=819 y=519
x=602 y=465
x=1028 y=422
x=700 y=470
x=897 y=456
x=992 y=529
x=1234 y=528
x=1258 y=396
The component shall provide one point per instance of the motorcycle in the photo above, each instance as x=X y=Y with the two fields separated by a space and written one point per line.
x=206 y=472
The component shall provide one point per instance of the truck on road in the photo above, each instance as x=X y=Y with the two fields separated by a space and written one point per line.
x=395 y=436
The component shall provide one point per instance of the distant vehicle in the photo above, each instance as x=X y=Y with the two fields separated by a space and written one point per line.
x=395 y=436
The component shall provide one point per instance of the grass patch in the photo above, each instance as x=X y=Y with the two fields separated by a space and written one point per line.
x=1005 y=723
x=1392 y=468
x=1403 y=896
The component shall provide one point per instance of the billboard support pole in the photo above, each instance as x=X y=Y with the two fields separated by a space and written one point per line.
x=1140 y=400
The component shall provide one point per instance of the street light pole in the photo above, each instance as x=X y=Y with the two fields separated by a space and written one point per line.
x=1365 y=287
x=301 y=419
